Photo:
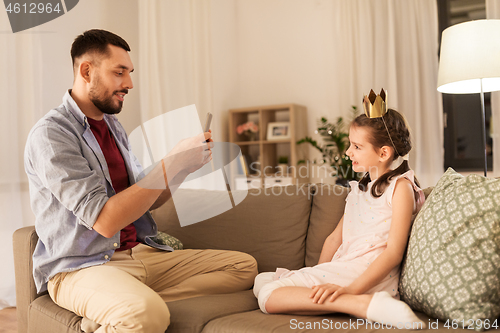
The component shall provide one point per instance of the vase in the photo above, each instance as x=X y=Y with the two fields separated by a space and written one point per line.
x=252 y=136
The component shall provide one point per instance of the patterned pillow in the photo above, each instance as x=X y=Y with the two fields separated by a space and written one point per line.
x=452 y=265
x=166 y=239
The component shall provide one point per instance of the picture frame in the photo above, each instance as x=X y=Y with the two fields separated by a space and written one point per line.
x=278 y=130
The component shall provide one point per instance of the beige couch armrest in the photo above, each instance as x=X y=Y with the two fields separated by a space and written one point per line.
x=24 y=242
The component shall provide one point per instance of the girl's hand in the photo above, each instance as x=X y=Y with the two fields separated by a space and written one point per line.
x=341 y=291
x=321 y=292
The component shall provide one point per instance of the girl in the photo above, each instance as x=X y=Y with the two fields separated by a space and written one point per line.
x=358 y=269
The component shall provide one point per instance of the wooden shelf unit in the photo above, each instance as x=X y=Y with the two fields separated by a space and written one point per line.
x=270 y=150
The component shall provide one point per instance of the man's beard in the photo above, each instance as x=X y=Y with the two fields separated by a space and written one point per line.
x=105 y=103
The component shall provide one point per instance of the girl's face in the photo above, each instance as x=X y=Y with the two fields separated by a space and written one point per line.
x=365 y=157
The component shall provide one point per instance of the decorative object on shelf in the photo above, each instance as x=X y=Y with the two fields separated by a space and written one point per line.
x=278 y=131
x=249 y=129
x=336 y=139
x=282 y=165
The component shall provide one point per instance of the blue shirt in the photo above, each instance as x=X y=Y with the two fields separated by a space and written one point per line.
x=69 y=184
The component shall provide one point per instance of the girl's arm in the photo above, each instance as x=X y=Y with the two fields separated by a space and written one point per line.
x=332 y=243
x=402 y=203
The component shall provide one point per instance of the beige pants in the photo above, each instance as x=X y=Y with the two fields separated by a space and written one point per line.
x=128 y=293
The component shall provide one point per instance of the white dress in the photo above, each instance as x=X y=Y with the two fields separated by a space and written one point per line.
x=367 y=221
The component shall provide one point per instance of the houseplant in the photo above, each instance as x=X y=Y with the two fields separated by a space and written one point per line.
x=333 y=149
x=282 y=165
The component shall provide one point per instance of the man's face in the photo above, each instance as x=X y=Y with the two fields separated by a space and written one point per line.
x=111 y=81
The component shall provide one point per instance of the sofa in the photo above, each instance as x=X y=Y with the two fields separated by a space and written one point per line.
x=279 y=226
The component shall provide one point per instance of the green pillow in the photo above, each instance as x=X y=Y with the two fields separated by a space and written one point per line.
x=166 y=239
x=452 y=266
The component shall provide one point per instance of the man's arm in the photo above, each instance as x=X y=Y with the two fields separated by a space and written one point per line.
x=54 y=156
x=130 y=204
x=174 y=184
x=161 y=200
x=124 y=208
x=167 y=193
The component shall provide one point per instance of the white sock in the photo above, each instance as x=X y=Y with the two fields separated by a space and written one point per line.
x=383 y=308
x=260 y=281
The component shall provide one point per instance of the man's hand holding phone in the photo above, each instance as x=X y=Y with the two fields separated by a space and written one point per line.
x=192 y=153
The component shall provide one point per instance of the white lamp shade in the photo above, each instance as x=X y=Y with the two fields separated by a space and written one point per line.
x=470 y=52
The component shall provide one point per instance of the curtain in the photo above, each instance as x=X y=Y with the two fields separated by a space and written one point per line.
x=393 y=44
x=175 y=56
x=493 y=12
x=20 y=65
x=369 y=44
x=176 y=71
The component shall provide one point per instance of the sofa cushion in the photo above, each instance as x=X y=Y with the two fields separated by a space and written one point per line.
x=166 y=239
x=191 y=315
x=45 y=316
x=328 y=205
x=269 y=224
x=452 y=267
x=258 y=322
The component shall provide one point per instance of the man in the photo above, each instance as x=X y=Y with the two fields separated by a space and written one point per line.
x=95 y=254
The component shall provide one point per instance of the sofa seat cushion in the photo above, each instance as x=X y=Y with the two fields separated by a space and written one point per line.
x=44 y=316
x=452 y=266
x=187 y=316
x=258 y=322
x=269 y=224
x=192 y=314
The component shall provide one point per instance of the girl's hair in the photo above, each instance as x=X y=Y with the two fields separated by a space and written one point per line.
x=378 y=137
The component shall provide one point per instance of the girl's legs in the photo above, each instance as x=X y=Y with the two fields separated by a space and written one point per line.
x=290 y=295
x=261 y=280
x=296 y=300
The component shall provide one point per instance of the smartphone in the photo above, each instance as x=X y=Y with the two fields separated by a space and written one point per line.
x=207 y=122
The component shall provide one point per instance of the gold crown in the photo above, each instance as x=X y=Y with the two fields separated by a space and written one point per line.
x=375 y=105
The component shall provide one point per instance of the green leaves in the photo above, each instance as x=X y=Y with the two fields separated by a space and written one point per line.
x=336 y=142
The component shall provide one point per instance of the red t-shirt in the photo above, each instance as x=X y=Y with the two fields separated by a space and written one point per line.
x=117 y=172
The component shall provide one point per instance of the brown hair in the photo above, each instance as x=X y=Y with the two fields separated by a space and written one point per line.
x=379 y=137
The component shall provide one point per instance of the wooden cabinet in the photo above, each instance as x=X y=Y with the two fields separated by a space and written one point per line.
x=279 y=128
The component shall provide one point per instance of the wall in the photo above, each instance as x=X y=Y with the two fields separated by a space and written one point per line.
x=226 y=65
x=274 y=52
x=284 y=52
x=118 y=16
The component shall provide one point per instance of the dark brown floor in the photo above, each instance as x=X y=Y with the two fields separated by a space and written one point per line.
x=8 y=321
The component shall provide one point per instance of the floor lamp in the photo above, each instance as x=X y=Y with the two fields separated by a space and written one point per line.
x=470 y=62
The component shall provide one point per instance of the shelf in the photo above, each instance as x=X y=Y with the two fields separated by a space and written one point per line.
x=267 y=142
x=247 y=143
x=267 y=152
